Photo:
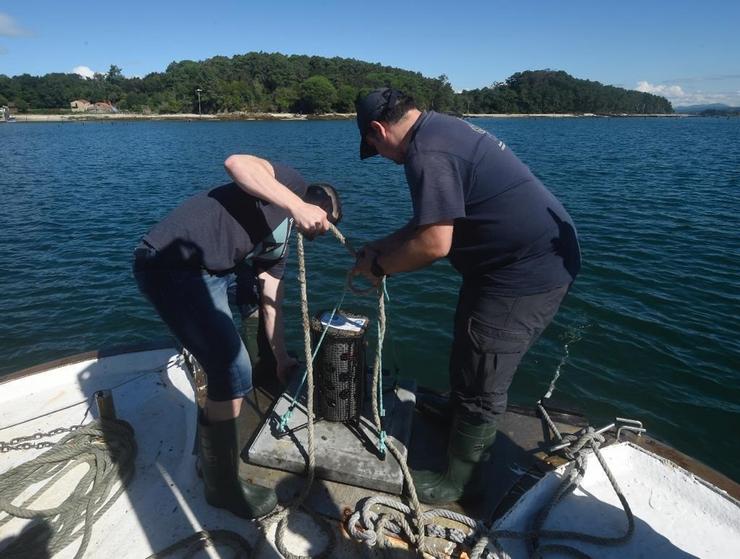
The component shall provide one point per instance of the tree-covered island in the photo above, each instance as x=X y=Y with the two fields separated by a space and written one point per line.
x=273 y=82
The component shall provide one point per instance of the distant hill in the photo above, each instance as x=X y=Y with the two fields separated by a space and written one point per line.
x=549 y=91
x=711 y=109
x=274 y=82
x=691 y=109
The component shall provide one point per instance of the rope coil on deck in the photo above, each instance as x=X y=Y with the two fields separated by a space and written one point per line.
x=108 y=447
x=479 y=538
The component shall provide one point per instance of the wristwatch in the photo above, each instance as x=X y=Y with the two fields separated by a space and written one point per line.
x=376 y=269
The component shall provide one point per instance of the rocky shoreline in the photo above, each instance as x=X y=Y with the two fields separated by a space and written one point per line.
x=85 y=117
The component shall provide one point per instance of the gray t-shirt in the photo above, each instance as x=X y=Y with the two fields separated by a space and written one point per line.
x=511 y=235
x=219 y=229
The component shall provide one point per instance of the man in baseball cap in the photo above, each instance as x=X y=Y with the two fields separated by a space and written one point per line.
x=514 y=244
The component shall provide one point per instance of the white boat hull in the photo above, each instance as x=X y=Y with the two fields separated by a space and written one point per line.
x=677 y=515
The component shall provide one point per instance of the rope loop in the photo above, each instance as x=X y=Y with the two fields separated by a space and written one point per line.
x=109 y=448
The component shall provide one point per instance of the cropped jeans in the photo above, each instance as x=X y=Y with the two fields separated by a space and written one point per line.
x=194 y=304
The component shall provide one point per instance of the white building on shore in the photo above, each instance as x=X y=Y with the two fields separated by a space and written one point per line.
x=79 y=105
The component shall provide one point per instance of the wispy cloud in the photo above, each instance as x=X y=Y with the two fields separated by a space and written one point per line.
x=679 y=96
x=9 y=28
x=661 y=89
x=83 y=71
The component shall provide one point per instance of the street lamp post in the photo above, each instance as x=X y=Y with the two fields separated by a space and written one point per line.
x=198 y=92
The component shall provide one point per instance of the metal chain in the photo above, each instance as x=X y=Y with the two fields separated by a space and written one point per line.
x=20 y=443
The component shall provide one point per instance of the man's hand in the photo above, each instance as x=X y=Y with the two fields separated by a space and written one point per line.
x=310 y=219
x=286 y=366
x=363 y=265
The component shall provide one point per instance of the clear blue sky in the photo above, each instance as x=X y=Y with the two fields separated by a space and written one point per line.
x=686 y=50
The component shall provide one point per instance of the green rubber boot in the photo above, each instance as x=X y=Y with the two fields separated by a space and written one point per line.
x=468 y=447
x=219 y=463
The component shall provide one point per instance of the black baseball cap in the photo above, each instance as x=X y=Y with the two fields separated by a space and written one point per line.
x=326 y=197
x=373 y=107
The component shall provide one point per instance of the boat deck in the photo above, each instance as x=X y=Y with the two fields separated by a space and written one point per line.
x=164 y=503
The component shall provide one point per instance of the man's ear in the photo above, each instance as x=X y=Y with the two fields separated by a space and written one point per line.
x=378 y=129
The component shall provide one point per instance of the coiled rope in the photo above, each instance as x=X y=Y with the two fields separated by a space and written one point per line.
x=485 y=542
x=371 y=527
x=108 y=447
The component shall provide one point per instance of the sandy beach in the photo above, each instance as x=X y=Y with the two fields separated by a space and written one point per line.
x=82 y=117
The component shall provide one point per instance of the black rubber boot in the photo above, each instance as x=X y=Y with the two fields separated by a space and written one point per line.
x=219 y=464
x=468 y=447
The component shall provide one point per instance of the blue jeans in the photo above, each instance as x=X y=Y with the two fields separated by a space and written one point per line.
x=195 y=306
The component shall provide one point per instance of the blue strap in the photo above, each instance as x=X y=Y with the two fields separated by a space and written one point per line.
x=294 y=399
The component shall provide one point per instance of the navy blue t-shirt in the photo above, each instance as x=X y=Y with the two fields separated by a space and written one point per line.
x=511 y=235
x=219 y=229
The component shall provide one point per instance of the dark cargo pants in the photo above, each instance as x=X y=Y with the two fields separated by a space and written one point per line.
x=492 y=334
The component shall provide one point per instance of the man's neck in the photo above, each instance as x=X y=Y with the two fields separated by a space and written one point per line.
x=403 y=129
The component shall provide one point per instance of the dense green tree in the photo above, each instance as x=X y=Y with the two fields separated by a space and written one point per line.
x=317 y=95
x=286 y=99
x=346 y=95
x=442 y=97
x=548 y=91
x=114 y=74
x=259 y=81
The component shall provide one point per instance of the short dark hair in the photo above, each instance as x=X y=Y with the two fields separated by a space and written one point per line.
x=396 y=108
x=326 y=197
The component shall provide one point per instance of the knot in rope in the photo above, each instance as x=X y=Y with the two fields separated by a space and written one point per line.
x=579 y=440
x=285 y=418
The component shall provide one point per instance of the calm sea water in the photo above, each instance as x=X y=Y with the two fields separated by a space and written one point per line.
x=652 y=320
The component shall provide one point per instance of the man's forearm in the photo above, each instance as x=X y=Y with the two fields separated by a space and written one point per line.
x=393 y=240
x=410 y=255
x=256 y=176
x=422 y=246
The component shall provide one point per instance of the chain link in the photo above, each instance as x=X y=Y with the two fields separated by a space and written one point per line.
x=21 y=443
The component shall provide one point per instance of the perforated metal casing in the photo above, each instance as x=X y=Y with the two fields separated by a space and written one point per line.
x=339 y=370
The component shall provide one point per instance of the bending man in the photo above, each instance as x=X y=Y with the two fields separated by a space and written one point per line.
x=186 y=267
x=514 y=244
